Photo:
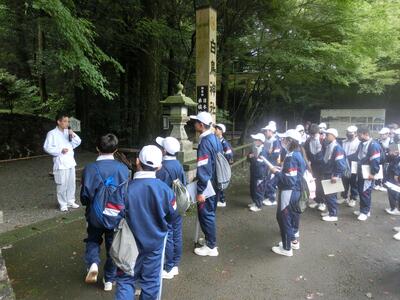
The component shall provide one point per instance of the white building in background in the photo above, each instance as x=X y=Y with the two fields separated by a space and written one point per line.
x=340 y=119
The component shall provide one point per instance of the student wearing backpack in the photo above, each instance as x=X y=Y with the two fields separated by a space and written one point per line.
x=289 y=180
x=228 y=153
x=207 y=151
x=171 y=170
x=115 y=173
x=333 y=167
x=258 y=172
x=149 y=209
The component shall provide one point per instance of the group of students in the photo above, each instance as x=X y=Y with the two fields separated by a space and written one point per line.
x=278 y=162
x=147 y=203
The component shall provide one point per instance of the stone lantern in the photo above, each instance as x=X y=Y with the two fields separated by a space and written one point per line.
x=178 y=118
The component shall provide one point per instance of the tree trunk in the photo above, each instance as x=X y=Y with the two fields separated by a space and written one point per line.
x=40 y=63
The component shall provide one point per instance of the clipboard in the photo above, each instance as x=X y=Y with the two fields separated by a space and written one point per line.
x=353 y=167
x=366 y=171
x=332 y=188
x=192 y=189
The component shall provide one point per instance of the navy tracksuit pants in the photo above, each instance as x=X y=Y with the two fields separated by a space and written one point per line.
x=257 y=191
x=92 y=252
x=331 y=199
x=288 y=219
x=364 y=190
x=270 y=187
x=394 y=199
x=173 y=248
x=350 y=185
x=206 y=215
x=221 y=196
x=147 y=273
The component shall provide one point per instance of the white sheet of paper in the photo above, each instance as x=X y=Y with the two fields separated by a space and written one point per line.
x=354 y=167
x=366 y=171
x=332 y=188
x=392 y=186
x=192 y=189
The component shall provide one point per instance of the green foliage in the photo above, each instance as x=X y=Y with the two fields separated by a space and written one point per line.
x=78 y=50
x=15 y=91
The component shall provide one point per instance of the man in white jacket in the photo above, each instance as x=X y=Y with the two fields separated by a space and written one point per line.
x=60 y=143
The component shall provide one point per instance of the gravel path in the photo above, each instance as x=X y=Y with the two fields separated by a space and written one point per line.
x=28 y=193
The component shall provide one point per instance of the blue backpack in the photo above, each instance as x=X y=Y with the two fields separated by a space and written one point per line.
x=103 y=195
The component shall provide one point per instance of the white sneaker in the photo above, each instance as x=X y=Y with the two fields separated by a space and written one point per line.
x=108 y=286
x=312 y=204
x=297 y=234
x=167 y=275
x=396 y=229
x=73 y=205
x=269 y=203
x=324 y=214
x=382 y=189
x=394 y=212
x=377 y=188
x=254 y=209
x=206 y=251
x=279 y=250
x=362 y=217
x=91 y=276
x=64 y=209
x=221 y=204
x=295 y=246
x=322 y=207
x=341 y=200
x=351 y=203
x=397 y=236
x=174 y=271
x=357 y=213
x=251 y=204
x=330 y=218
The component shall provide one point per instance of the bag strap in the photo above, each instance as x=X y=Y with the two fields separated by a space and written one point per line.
x=98 y=172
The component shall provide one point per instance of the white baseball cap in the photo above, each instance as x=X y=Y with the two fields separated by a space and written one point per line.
x=151 y=156
x=384 y=130
x=291 y=133
x=258 y=136
x=221 y=126
x=397 y=131
x=203 y=117
x=171 y=145
x=160 y=141
x=332 y=131
x=269 y=127
x=299 y=127
x=352 y=128
x=322 y=125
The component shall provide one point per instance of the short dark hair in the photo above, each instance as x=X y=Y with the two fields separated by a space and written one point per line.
x=314 y=129
x=293 y=144
x=147 y=168
x=107 y=143
x=363 y=130
x=61 y=115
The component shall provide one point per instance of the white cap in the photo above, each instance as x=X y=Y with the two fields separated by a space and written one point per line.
x=397 y=131
x=299 y=127
x=171 y=145
x=203 y=117
x=151 y=156
x=384 y=130
x=322 y=125
x=258 y=136
x=352 y=128
x=160 y=141
x=291 y=133
x=222 y=126
x=269 y=127
x=332 y=131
